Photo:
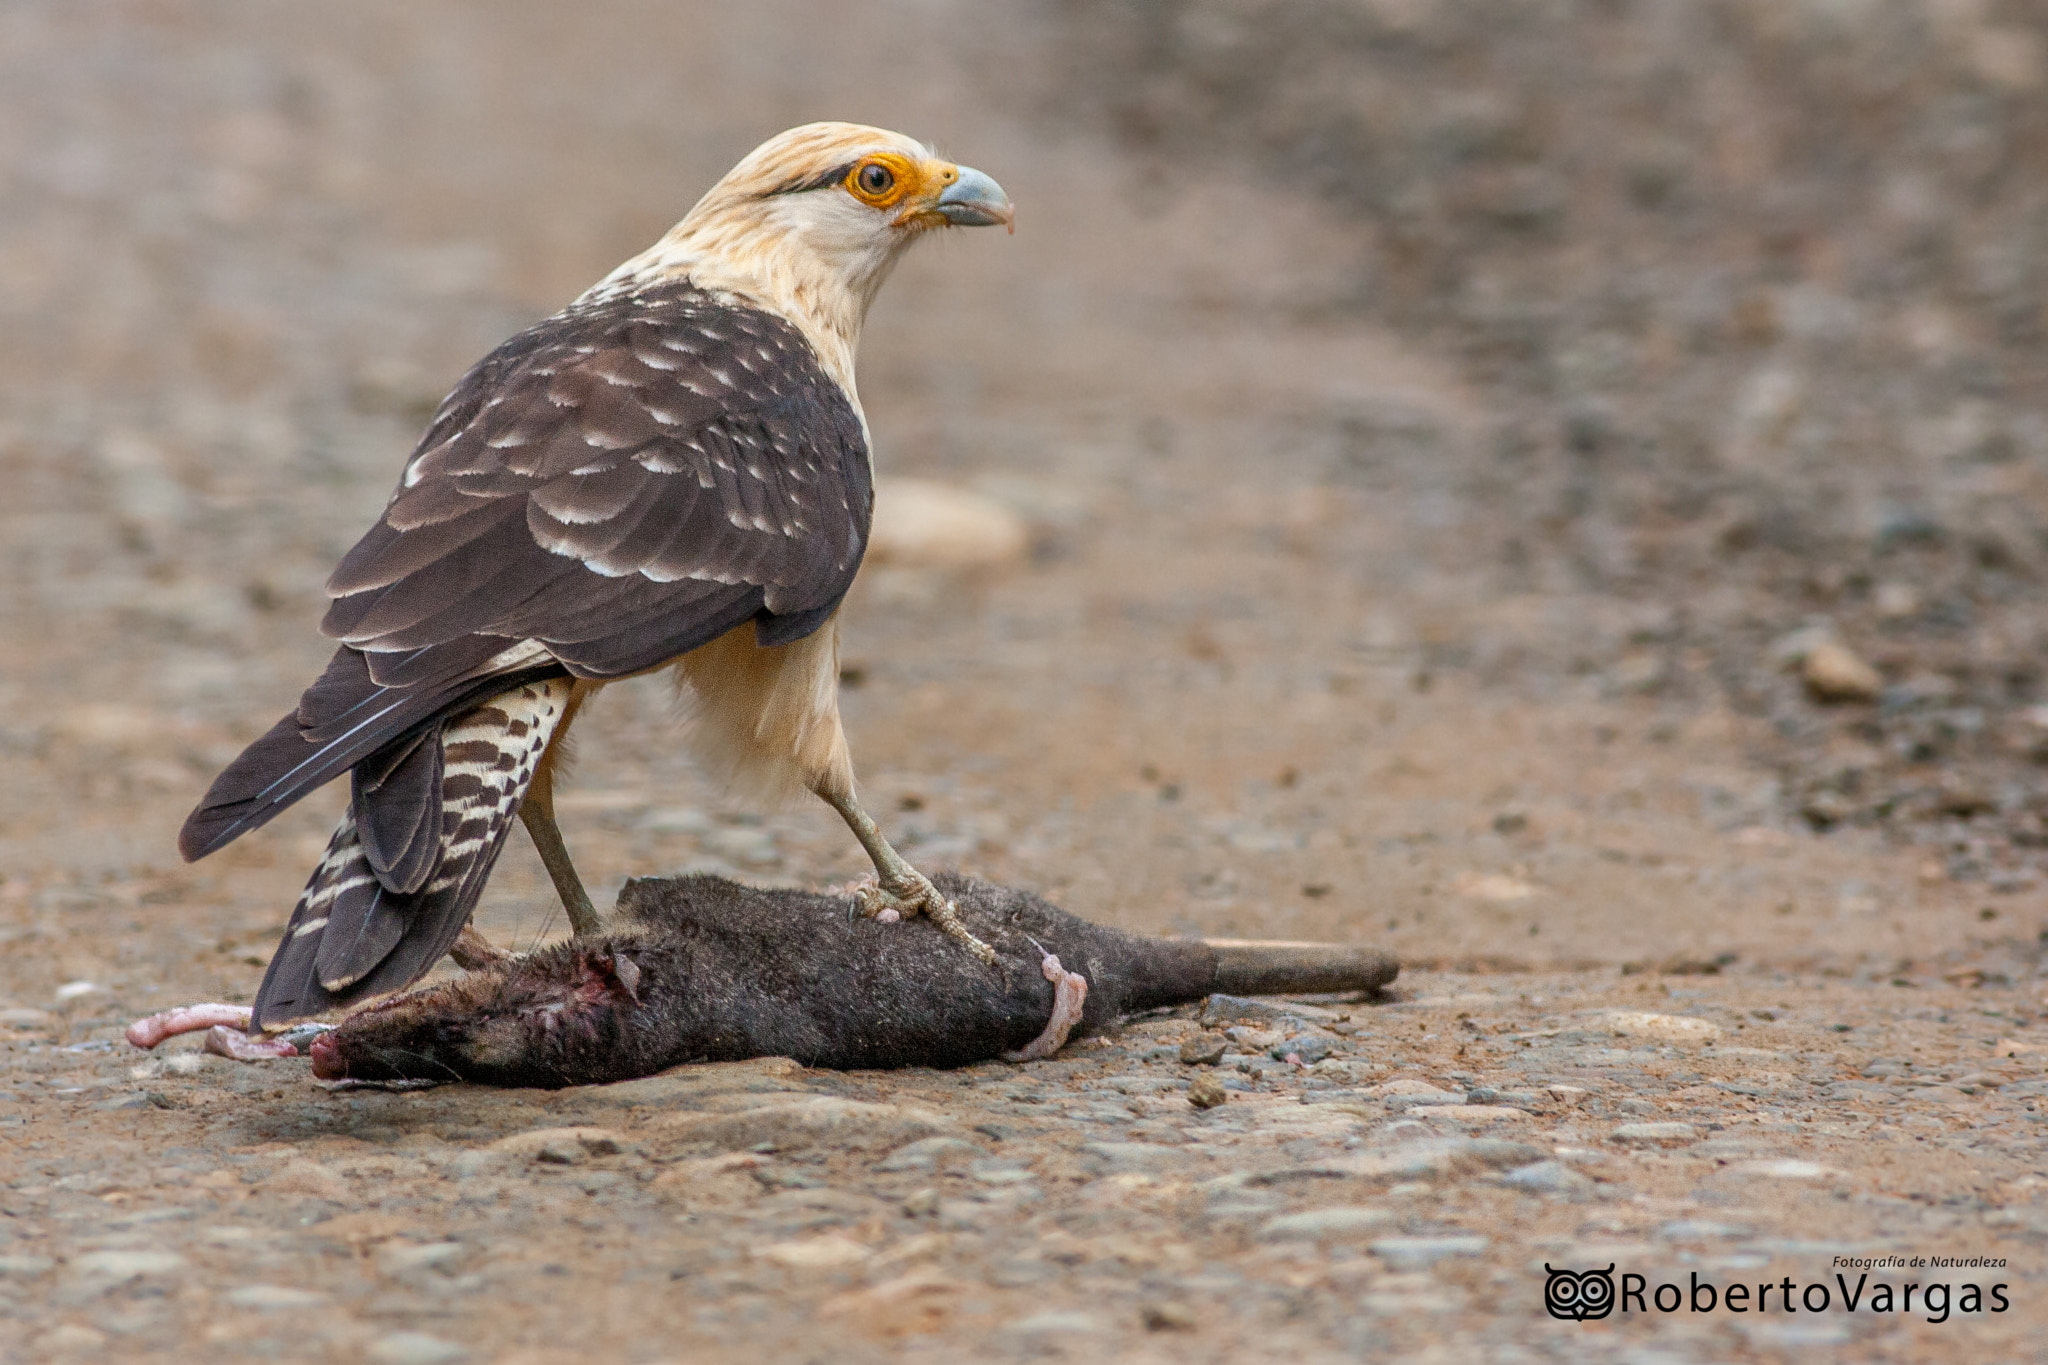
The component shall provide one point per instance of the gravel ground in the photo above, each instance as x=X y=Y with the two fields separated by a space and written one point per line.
x=1554 y=492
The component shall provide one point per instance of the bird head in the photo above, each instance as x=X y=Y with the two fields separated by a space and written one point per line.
x=814 y=218
x=865 y=185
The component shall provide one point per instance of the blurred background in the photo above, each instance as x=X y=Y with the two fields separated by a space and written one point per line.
x=1536 y=482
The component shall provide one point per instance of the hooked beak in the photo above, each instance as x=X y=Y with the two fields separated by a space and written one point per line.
x=974 y=200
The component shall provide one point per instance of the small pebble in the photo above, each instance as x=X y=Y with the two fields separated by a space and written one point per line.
x=1056 y=1324
x=401 y=1259
x=415 y=1348
x=1303 y=1049
x=1206 y=1091
x=1651 y=1134
x=1322 y=1224
x=1204 y=1049
x=271 y=1298
x=1833 y=674
x=1167 y=1317
x=128 y=1265
x=1420 y=1253
x=927 y=1153
x=1546 y=1177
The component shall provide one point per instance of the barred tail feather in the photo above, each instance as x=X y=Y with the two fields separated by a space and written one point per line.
x=351 y=935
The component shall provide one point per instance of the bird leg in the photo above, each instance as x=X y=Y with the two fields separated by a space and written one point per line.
x=899 y=888
x=537 y=812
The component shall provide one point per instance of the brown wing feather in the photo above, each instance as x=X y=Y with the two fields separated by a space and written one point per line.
x=619 y=484
x=661 y=440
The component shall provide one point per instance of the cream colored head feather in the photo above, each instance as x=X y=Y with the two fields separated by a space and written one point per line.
x=810 y=223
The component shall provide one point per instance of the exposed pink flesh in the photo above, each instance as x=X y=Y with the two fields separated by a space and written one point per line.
x=185 y=1019
x=327 y=1062
x=1069 y=994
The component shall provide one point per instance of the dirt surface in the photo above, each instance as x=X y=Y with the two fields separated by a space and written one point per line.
x=1448 y=434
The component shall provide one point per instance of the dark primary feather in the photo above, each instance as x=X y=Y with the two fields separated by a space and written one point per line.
x=621 y=483
x=395 y=797
x=342 y=719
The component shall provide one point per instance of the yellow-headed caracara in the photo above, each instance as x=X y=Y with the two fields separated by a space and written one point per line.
x=671 y=472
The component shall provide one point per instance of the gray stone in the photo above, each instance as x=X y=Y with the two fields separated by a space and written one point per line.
x=125 y=1265
x=133 y=1100
x=1223 y=1009
x=1124 y=1158
x=1055 y=1324
x=271 y=1298
x=1420 y=1253
x=1517 y=1099
x=1724 y=1149
x=997 y=1171
x=1316 y=1225
x=1130 y=1083
x=415 y=1348
x=930 y=1153
x=1400 y=1102
x=1308 y=1048
x=1430 y=1159
x=1546 y=1177
x=1699 y=1230
x=1653 y=1134
x=399 y=1259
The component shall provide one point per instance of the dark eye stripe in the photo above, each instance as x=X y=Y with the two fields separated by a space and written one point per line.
x=822 y=180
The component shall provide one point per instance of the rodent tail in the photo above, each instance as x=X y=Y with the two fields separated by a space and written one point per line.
x=1254 y=967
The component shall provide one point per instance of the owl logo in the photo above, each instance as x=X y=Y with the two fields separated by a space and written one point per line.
x=1579 y=1295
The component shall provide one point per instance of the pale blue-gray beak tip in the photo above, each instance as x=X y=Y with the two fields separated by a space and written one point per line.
x=974 y=200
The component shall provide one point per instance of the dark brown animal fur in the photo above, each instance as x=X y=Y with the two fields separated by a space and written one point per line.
x=703 y=969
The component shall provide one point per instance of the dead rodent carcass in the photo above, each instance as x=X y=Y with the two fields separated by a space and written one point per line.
x=704 y=969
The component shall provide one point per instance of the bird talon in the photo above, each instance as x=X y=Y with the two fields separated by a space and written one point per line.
x=887 y=904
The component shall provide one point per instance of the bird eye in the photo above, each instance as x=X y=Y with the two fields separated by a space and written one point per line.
x=875 y=179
